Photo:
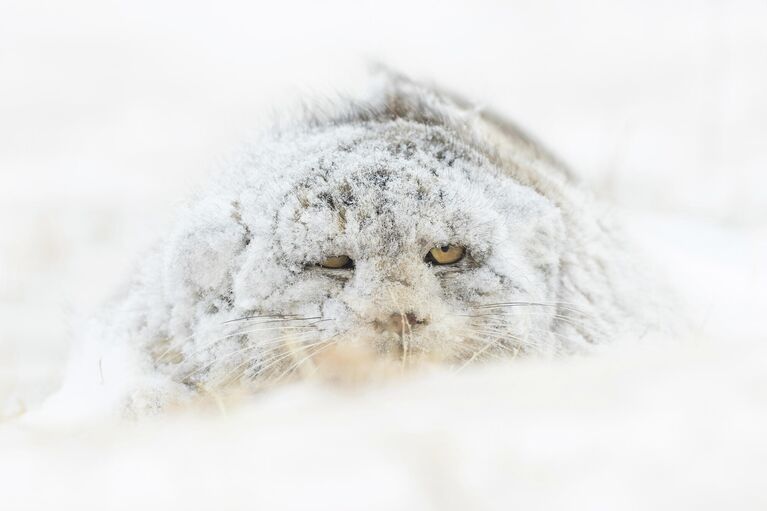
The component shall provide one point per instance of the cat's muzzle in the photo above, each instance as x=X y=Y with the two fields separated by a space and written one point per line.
x=400 y=323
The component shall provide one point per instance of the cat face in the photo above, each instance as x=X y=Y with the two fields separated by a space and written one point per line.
x=338 y=247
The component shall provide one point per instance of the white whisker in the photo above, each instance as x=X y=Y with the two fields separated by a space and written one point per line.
x=241 y=351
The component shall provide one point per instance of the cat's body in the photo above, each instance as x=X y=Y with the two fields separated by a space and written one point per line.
x=235 y=293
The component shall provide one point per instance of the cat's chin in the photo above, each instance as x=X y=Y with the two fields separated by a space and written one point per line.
x=352 y=362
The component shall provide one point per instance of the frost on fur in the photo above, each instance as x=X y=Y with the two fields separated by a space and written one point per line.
x=234 y=294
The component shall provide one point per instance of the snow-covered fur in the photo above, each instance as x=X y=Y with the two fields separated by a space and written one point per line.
x=235 y=294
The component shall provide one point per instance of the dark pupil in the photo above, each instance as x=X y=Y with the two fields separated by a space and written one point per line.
x=445 y=248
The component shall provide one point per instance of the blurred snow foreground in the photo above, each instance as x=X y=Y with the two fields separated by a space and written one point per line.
x=667 y=425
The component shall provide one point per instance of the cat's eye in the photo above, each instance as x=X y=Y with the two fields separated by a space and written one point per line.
x=337 y=262
x=446 y=254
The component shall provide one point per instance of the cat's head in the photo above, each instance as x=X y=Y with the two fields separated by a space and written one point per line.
x=413 y=226
x=390 y=235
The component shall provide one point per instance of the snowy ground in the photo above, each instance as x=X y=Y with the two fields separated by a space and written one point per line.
x=111 y=112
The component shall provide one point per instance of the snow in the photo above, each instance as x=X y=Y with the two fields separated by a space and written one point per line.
x=111 y=113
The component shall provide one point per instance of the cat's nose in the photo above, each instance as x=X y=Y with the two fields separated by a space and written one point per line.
x=409 y=318
x=401 y=323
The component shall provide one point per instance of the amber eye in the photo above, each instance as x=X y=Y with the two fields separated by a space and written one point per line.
x=447 y=254
x=337 y=262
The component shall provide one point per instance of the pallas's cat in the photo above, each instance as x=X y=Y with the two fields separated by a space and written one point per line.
x=408 y=228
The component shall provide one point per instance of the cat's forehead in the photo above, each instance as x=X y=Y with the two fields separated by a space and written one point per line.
x=380 y=194
x=346 y=148
x=396 y=161
x=391 y=186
